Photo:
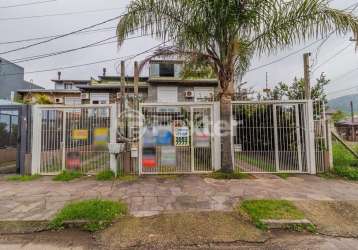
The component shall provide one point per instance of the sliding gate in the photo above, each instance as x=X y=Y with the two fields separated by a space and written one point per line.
x=272 y=136
x=176 y=138
x=73 y=138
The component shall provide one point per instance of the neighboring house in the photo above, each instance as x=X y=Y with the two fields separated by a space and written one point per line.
x=164 y=85
x=12 y=79
x=348 y=129
x=64 y=96
x=65 y=92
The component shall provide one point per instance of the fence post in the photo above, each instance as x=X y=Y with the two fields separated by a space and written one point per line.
x=23 y=130
x=329 y=142
x=311 y=139
x=113 y=136
x=217 y=137
x=36 y=141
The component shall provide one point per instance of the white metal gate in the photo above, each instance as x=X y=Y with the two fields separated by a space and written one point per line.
x=273 y=136
x=176 y=138
x=73 y=137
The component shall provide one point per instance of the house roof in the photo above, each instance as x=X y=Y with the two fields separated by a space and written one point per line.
x=114 y=86
x=178 y=81
x=72 y=81
x=118 y=78
x=51 y=91
x=348 y=122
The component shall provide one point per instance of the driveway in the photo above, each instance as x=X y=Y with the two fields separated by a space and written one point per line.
x=41 y=199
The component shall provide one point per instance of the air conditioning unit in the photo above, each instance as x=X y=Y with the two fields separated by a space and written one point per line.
x=85 y=96
x=59 y=100
x=189 y=94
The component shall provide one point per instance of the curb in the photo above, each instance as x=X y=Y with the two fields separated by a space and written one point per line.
x=27 y=227
x=284 y=224
x=23 y=227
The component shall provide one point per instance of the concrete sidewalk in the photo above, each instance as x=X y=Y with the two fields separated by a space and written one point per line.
x=41 y=199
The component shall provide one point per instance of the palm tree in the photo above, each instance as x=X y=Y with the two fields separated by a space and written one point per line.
x=225 y=34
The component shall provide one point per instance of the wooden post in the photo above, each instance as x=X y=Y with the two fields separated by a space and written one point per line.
x=306 y=65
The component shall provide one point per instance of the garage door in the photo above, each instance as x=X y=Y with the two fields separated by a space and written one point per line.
x=167 y=94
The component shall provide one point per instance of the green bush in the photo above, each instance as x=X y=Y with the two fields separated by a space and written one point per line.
x=106 y=175
x=350 y=173
x=67 y=176
x=23 y=178
x=98 y=214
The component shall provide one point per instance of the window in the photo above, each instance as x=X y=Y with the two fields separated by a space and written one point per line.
x=166 y=70
x=68 y=85
x=167 y=94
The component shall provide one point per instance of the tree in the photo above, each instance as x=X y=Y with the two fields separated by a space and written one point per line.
x=226 y=34
x=296 y=90
x=338 y=116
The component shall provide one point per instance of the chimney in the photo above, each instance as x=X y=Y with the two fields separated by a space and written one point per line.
x=59 y=75
x=104 y=72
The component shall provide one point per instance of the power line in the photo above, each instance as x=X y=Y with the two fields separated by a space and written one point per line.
x=47 y=37
x=26 y=4
x=282 y=58
x=95 y=44
x=58 y=14
x=61 y=36
x=91 y=63
x=332 y=57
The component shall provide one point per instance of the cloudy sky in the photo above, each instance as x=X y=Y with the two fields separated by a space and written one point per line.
x=63 y=16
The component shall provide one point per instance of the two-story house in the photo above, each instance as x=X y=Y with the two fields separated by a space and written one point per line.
x=165 y=84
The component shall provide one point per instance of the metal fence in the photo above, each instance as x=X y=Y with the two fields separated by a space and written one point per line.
x=322 y=137
x=271 y=136
x=176 y=138
x=72 y=137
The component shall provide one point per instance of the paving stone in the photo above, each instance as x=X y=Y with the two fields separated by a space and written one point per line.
x=148 y=196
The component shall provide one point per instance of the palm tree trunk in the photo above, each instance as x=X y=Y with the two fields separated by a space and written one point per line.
x=225 y=115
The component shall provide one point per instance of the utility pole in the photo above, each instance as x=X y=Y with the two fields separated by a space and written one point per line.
x=136 y=79
x=267 y=90
x=123 y=85
x=306 y=65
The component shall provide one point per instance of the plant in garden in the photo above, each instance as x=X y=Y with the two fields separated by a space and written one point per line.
x=97 y=214
x=226 y=34
x=67 y=176
x=106 y=175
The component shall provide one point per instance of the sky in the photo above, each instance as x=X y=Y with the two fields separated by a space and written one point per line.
x=13 y=26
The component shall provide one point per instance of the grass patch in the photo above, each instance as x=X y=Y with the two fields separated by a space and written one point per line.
x=342 y=157
x=24 y=178
x=67 y=176
x=98 y=214
x=219 y=175
x=127 y=178
x=106 y=175
x=283 y=175
x=349 y=173
x=270 y=209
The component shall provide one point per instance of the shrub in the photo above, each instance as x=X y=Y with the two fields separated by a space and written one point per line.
x=97 y=214
x=350 y=173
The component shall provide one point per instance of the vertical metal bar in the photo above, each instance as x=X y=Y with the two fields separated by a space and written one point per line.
x=64 y=127
x=192 y=138
x=277 y=162
x=299 y=150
